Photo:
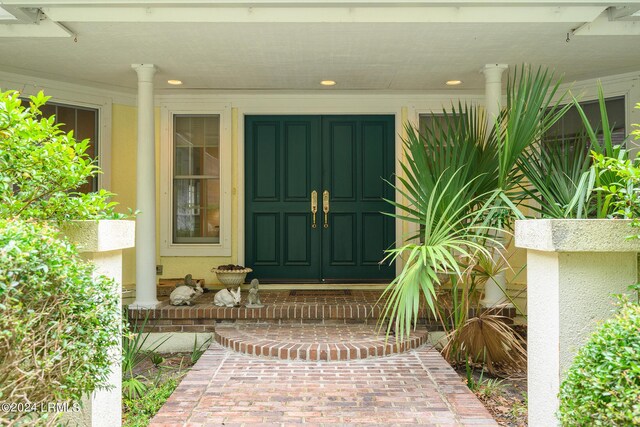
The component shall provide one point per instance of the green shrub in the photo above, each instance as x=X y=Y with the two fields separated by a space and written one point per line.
x=41 y=167
x=602 y=387
x=58 y=320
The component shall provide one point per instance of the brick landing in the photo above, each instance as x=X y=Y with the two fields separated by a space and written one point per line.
x=232 y=389
x=312 y=341
x=280 y=307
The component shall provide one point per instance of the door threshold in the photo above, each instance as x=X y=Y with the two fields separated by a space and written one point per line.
x=322 y=286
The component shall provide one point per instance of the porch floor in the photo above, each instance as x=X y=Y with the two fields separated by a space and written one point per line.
x=234 y=389
x=280 y=306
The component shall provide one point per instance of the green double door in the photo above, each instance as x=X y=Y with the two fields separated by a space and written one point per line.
x=314 y=194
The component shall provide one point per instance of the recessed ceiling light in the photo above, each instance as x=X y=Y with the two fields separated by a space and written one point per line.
x=453 y=82
x=328 y=83
x=174 y=82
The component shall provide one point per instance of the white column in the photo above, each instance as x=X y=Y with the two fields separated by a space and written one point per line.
x=493 y=90
x=145 y=191
x=493 y=289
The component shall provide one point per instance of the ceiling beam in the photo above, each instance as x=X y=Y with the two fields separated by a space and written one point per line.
x=624 y=13
x=341 y=3
x=23 y=15
x=604 y=26
x=44 y=28
x=326 y=13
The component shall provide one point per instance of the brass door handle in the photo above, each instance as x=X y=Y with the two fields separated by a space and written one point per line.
x=325 y=208
x=314 y=207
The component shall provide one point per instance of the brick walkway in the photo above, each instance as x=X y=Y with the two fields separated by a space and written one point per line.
x=233 y=389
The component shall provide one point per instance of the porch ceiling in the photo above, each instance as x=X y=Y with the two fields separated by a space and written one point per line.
x=416 y=56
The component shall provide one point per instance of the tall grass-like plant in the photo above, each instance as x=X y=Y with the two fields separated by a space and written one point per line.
x=135 y=350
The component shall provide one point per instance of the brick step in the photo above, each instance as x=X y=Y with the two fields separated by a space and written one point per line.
x=312 y=342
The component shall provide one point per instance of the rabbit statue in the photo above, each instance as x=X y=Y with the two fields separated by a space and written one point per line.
x=184 y=295
x=227 y=298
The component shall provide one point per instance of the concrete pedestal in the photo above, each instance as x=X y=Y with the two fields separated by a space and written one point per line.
x=573 y=269
x=102 y=242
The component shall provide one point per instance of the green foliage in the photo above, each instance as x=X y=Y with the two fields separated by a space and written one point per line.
x=472 y=383
x=557 y=174
x=138 y=411
x=621 y=195
x=41 y=167
x=590 y=177
x=453 y=231
x=461 y=185
x=529 y=113
x=58 y=320
x=135 y=351
x=198 y=350
x=602 y=387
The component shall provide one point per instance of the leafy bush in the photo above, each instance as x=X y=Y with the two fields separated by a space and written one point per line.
x=58 y=321
x=41 y=166
x=602 y=387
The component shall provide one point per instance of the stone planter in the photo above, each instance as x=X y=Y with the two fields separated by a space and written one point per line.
x=232 y=278
x=573 y=269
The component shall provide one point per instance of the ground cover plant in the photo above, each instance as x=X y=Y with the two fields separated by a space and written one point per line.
x=159 y=374
x=59 y=320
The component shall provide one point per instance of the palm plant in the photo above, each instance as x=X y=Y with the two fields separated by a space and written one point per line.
x=460 y=185
x=560 y=177
x=557 y=177
x=453 y=232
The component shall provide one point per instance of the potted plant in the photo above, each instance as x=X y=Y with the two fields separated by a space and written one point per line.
x=231 y=275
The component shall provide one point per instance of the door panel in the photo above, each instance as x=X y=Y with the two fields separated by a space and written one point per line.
x=358 y=153
x=282 y=168
x=286 y=158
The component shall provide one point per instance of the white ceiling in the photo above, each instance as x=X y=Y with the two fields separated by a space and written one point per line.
x=359 y=56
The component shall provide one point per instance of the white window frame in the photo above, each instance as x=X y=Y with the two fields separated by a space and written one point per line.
x=167 y=247
x=71 y=98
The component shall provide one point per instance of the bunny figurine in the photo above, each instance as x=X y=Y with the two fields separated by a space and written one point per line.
x=185 y=295
x=227 y=298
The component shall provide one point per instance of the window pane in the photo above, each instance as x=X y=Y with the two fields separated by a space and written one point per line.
x=570 y=126
x=84 y=124
x=196 y=183
x=66 y=116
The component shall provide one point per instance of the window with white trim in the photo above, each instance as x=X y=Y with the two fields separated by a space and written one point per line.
x=196 y=179
x=196 y=182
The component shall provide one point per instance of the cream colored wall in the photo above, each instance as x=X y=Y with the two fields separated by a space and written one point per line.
x=123 y=175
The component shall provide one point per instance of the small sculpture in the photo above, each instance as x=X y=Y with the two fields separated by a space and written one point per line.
x=188 y=281
x=253 y=299
x=227 y=298
x=184 y=295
